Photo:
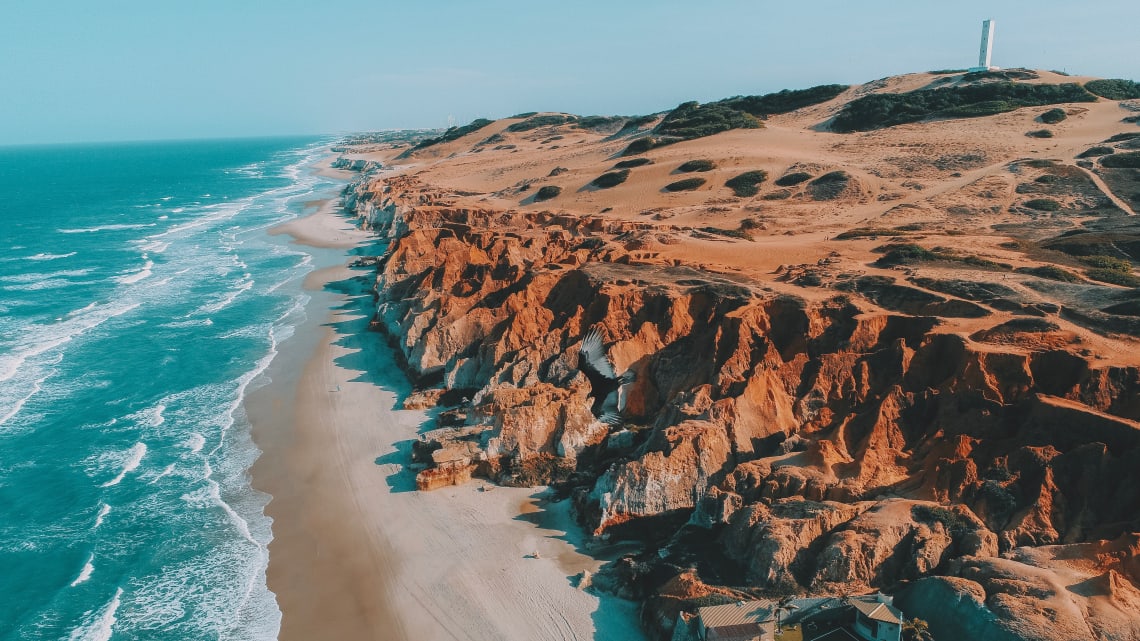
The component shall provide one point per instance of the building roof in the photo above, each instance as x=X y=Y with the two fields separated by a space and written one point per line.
x=739 y=613
x=878 y=611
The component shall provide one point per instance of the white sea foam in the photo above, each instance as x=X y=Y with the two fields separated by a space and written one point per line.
x=104 y=510
x=85 y=573
x=37 y=340
x=136 y=276
x=32 y=277
x=91 y=230
x=132 y=457
x=150 y=417
x=43 y=256
x=154 y=246
x=166 y=471
x=226 y=299
x=194 y=443
x=98 y=625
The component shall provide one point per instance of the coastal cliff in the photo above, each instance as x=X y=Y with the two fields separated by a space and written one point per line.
x=842 y=424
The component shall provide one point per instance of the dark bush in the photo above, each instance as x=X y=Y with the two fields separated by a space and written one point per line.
x=1051 y=272
x=642 y=145
x=946 y=72
x=1123 y=137
x=687 y=184
x=632 y=162
x=1000 y=502
x=1043 y=204
x=610 y=179
x=1039 y=133
x=600 y=122
x=1130 y=160
x=731 y=233
x=697 y=165
x=526 y=114
x=454 y=133
x=953 y=522
x=794 y=178
x=829 y=185
x=547 y=192
x=693 y=120
x=1114 y=89
x=1108 y=262
x=1099 y=150
x=545 y=120
x=557 y=171
x=748 y=183
x=1053 y=116
x=779 y=194
x=875 y=111
x=784 y=101
x=1116 y=277
x=867 y=232
x=903 y=253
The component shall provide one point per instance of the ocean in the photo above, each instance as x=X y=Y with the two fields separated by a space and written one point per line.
x=140 y=299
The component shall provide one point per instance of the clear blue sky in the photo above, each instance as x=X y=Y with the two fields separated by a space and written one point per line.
x=92 y=70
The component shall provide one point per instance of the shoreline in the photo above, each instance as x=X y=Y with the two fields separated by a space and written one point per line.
x=357 y=553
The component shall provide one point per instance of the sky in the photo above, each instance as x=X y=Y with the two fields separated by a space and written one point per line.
x=107 y=70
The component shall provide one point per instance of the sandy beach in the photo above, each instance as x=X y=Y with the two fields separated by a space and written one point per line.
x=357 y=552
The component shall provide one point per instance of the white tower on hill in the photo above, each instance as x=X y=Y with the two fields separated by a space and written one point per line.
x=987 y=49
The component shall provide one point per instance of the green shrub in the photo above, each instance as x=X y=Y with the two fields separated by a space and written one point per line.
x=946 y=72
x=794 y=178
x=1051 y=272
x=642 y=145
x=693 y=120
x=731 y=233
x=1099 y=150
x=687 y=184
x=526 y=114
x=953 y=522
x=1108 y=262
x=600 y=122
x=454 y=133
x=610 y=179
x=867 y=232
x=875 y=111
x=632 y=162
x=1130 y=160
x=1114 y=89
x=697 y=165
x=1123 y=137
x=1053 y=116
x=547 y=192
x=1039 y=133
x=1114 y=276
x=748 y=183
x=784 y=101
x=534 y=122
x=903 y=253
x=1043 y=204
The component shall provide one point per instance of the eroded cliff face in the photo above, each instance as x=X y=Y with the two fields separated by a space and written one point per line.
x=814 y=445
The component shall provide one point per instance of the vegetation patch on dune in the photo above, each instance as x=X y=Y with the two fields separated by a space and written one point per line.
x=687 y=184
x=1114 y=88
x=547 y=192
x=697 y=165
x=1093 y=152
x=610 y=179
x=908 y=253
x=695 y=120
x=632 y=162
x=1039 y=133
x=1051 y=272
x=748 y=183
x=794 y=178
x=454 y=133
x=545 y=120
x=829 y=186
x=601 y=123
x=868 y=232
x=1130 y=160
x=875 y=111
x=1126 y=279
x=1043 y=204
x=1053 y=116
x=784 y=101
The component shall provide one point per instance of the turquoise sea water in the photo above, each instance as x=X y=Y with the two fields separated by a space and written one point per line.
x=140 y=298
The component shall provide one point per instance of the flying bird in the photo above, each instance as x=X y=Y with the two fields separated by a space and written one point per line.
x=605 y=384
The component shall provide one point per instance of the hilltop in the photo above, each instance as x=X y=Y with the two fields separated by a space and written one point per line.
x=885 y=337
